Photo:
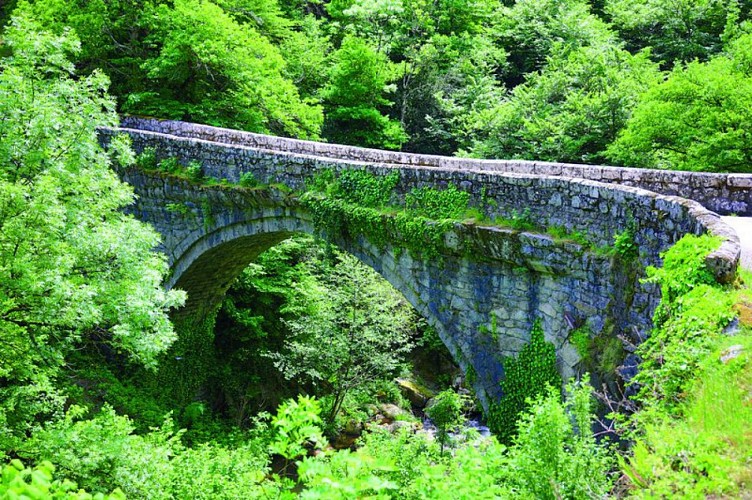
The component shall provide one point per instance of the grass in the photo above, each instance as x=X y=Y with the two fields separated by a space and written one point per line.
x=708 y=452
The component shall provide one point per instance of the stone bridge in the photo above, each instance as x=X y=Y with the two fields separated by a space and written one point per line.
x=490 y=283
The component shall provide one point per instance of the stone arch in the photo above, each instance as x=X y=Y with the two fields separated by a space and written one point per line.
x=213 y=260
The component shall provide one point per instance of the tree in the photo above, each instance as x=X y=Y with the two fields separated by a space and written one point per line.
x=445 y=86
x=252 y=320
x=354 y=96
x=213 y=70
x=358 y=332
x=191 y=60
x=570 y=111
x=446 y=413
x=306 y=52
x=446 y=61
x=698 y=119
x=530 y=30
x=74 y=270
x=677 y=30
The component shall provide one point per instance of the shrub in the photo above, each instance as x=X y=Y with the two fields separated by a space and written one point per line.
x=446 y=413
x=248 y=180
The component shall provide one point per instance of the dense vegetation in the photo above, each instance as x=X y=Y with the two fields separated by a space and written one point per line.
x=98 y=393
x=662 y=83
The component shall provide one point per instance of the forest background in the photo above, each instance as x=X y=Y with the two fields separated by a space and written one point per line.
x=97 y=388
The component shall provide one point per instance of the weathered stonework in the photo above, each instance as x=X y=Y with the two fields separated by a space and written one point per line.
x=721 y=193
x=483 y=301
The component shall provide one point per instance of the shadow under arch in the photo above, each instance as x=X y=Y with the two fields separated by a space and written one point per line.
x=212 y=261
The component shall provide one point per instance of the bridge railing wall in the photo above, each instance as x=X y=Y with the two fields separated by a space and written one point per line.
x=596 y=209
x=721 y=193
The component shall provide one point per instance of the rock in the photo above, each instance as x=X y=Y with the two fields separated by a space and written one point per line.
x=353 y=427
x=344 y=441
x=416 y=393
x=745 y=313
x=391 y=412
x=395 y=426
x=732 y=328
x=732 y=352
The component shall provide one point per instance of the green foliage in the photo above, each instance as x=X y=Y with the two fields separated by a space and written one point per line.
x=38 y=484
x=354 y=95
x=187 y=365
x=683 y=269
x=362 y=188
x=677 y=30
x=521 y=221
x=682 y=339
x=74 y=270
x=689 y=433
x=562 y=233
x=80 y=294
x=533 y=30
x=366 y=333
x=357 y=203
x=570 y=111
x=447 y=82
x=692 y=313
x=525 y=377
x=248 y=180
x=102 y=453
x=297 y=425
x=446 y=413
x=200 y=45
x=625 y=244
x=706 y=452
x=580 y=338
x=306 y=50
x=449 y=203
x=696 y=120
x=147 y=159
x=191 y=59
x=212 y=471
x=555 y=456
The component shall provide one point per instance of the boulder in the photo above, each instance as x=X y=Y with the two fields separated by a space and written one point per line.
x=391 y=412
x=732 y=352
x=416 y=393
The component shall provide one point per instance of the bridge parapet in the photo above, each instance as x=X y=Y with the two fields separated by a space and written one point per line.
x=721 y=193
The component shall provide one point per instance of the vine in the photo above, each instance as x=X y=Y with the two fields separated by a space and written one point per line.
x=356 y=202
x=525 y=378
x=359 y=203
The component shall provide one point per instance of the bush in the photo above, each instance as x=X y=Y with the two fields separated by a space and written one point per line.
x=555 y=454
x=18 y=481
x=446 y=414
x=248 y=180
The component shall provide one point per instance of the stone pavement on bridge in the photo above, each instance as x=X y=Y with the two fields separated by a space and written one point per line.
x=743 y=227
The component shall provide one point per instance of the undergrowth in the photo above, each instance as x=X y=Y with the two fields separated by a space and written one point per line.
x=692 y=434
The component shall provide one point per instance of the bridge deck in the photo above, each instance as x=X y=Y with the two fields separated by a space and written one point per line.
x=743 y=228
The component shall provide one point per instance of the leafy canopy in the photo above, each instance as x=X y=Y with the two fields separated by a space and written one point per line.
x=698 y=119
x=74 y=269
